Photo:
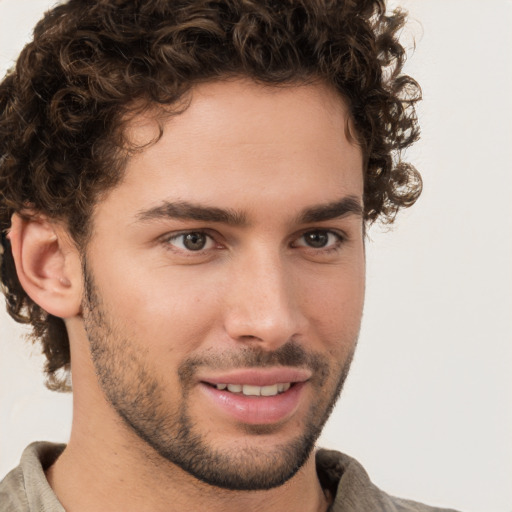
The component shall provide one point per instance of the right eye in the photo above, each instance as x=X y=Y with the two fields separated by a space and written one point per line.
x=191 y=241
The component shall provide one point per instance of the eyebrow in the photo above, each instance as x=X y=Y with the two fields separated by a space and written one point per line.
x=349 y=205
x=189 y=211
x=185 y=210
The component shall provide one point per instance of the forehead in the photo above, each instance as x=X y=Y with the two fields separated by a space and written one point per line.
x=240 y=111
x=237 y=142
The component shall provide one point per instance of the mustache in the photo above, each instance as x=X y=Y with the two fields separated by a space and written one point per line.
x=290 y=354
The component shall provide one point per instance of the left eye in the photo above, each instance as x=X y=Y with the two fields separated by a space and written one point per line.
x=318 y=239
x=191 y=241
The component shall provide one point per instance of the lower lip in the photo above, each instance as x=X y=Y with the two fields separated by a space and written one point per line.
x=256 y=410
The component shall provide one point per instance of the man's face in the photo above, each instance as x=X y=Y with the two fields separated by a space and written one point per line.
x=225 y=280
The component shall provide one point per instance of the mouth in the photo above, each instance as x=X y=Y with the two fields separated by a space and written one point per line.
x=252 y=390
x=256 y=396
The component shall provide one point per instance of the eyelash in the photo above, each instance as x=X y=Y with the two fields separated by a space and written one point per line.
x=332 y=247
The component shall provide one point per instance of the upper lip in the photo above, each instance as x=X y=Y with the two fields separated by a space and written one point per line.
x=258 y=376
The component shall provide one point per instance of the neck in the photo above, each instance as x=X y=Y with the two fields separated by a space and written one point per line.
x=96 y=474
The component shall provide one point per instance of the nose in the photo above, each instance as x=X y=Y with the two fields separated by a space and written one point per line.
x=262 y=302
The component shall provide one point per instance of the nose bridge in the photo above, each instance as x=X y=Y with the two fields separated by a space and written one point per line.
x=262 y=306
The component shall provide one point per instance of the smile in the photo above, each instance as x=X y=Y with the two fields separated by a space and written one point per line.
x=256 y=395
x=254 y=404
x=251 y=390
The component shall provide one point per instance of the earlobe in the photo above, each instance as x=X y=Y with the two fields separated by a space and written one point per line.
x=47 y=264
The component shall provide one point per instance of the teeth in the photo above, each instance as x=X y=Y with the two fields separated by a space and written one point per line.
x=269 y=390
x=249 y=390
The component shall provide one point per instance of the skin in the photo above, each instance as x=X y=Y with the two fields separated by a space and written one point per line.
x=157 y=318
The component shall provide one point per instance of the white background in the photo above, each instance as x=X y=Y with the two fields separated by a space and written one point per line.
x=428 y=406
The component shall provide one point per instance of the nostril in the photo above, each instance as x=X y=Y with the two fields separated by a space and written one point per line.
x=249 y=337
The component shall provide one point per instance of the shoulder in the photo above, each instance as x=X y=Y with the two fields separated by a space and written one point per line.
x=25 y=488
x=353 y=490
x=13 y=497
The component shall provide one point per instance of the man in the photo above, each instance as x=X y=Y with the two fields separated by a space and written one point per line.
x=185 y=189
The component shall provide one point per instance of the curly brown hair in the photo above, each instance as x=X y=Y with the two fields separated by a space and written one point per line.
x=90 y=64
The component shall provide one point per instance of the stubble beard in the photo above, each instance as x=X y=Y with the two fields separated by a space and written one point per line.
x=139 y=399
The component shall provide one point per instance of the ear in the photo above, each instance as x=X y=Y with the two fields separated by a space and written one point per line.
x=47 y=264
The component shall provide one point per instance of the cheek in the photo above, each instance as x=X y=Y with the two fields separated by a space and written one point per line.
x=334 y=307
x=170 y=311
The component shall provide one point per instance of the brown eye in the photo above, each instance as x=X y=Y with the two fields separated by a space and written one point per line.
x=191 y=241
x=194 y=241
x=316 y=239
x=319 y=239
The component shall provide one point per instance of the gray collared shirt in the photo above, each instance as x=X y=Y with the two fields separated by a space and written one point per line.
x=25 y=488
